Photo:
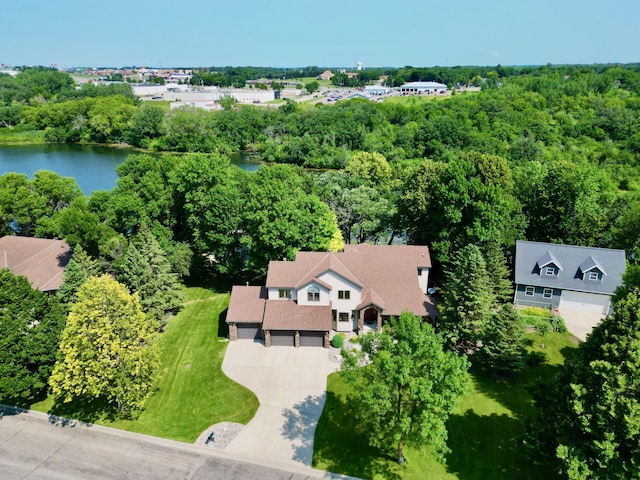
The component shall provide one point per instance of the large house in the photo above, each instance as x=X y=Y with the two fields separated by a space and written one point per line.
x=567 y=277
x=305 y=299
x=41 y=260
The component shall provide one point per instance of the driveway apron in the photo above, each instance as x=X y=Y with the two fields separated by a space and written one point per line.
x=290 y=384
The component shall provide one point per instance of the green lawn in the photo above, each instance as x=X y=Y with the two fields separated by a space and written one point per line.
x=192 y=392
x=485 y=432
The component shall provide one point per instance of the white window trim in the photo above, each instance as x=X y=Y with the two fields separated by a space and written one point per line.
x=313 y=294
x=549 y=271
x=547 y=293
x=593 y=276
x=529 y=291
x=284 y=293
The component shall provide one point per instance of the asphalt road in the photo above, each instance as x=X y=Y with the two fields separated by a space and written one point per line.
x=36 y=446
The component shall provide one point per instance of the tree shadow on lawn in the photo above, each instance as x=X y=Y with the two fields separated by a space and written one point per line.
x=341 y=447
x=489 y=446
x=84 y=410
x=515 y=393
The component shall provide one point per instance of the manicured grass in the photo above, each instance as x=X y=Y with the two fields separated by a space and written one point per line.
x=485 y=432
x=192 y=393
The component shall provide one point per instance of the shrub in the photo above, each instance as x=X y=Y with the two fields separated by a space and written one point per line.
x=535 y=359
x=337 y=341
x=536 y=312
x=558 y=324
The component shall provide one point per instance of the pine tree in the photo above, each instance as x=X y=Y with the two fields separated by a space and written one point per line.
x=80 y=267
x=468 y=300
x=146 y=270
x=497 y=270
x=503 y=342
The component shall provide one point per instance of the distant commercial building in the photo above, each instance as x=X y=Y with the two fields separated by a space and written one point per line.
x=423 y=88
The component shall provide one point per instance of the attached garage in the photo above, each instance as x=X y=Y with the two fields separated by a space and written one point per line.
x=584 y=302
x=249 y=331
x=282 y=338
x=312 y=339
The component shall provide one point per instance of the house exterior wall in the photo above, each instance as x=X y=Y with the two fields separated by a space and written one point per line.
x=423 y=279
x=301 y=295
x=538 y=299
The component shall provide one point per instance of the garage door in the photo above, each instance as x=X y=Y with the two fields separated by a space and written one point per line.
x=282 y=338
x=249 y=331
x=312 y=339
x=584 y=302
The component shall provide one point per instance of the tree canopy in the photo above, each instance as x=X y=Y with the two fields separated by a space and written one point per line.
x=405 y=384
x=108 y=350
x=30 y=326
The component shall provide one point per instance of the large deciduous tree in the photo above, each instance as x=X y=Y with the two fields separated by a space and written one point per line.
x=30 y=327
x=405 y=384
x=590 y=413
x=108 y=349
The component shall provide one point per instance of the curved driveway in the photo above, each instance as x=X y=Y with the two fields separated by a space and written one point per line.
x=290 y=384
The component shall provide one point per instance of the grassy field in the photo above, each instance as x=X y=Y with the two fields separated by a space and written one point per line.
x=15 y=137
x=192 y=392
x=485 y=432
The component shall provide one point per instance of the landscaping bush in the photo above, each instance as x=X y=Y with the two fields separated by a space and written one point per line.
x=559 y=325
x=535 y=359
x=337 y=341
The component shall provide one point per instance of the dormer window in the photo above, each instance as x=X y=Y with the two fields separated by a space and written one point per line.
x=549 y=271
x=594 y=276
x=313 y=294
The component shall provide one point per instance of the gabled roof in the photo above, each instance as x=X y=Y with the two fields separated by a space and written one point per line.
x=591 y=263
x=246 y=304
x=371 y=298
x=575 y=261
x=388 y=270
x=548 y=258
x=41 y=260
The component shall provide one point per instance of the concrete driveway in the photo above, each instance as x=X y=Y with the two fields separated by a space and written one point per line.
x=290 y=384
x=580 y=324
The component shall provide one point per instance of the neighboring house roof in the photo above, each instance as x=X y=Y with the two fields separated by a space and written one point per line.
x=41 y=260
x=389 y=271
x=575 y=260
x=246 y=304
x=283 y=314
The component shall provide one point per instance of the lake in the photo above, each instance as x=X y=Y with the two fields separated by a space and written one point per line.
x=93 y=167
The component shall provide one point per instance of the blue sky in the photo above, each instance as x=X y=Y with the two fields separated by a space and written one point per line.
x=291 y=33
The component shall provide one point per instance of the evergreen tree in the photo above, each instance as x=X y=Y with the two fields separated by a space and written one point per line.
x=497 y=270
x=503 y=342
x=468 y=300
x=30 y=327
x=108 y=348
x=80 y=267
x=146 y=270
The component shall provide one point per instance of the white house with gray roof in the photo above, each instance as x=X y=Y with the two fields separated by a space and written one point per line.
x=567 y=277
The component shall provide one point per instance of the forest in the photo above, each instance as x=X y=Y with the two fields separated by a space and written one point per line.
x=549 y=154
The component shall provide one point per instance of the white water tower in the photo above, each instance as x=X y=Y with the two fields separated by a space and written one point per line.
x=359 y=66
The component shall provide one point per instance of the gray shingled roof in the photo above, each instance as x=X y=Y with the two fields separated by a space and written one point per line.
x=575 y=261
x=41 y=260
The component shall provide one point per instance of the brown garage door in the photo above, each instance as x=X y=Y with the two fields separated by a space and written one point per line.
x=249 y=331
x=312 y=339
x=282 y=338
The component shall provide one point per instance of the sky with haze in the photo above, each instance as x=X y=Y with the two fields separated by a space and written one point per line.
x=294 y=33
